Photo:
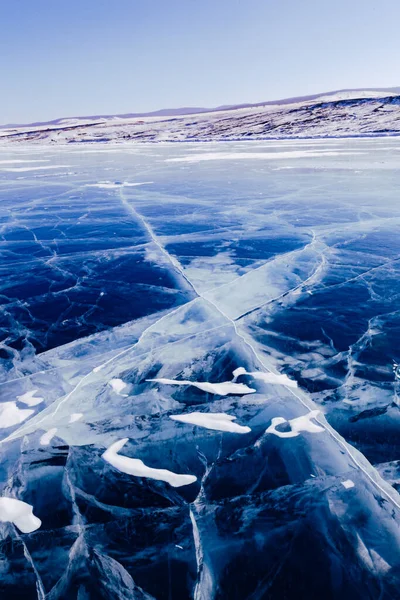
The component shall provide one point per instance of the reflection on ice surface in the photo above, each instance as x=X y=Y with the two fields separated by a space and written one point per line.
x=221 y=299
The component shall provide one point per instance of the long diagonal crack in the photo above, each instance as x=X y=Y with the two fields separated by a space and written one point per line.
x=331 y=432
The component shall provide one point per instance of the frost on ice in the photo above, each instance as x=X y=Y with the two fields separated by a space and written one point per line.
x=217 y=421
x=20 y=513
x=297 y=425
x=136 y=467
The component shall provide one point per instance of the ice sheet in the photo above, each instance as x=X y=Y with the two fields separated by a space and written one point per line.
x=287 y=278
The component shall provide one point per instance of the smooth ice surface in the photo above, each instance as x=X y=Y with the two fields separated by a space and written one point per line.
x=222 y=389
x=297 y=425
x=20 y=513
x=136 y=467
x=11 y=415
x=217 y=421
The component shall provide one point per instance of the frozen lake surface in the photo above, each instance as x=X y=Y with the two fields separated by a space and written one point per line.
x=199 y=371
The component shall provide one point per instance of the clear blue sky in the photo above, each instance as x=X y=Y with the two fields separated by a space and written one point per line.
x=86 y=57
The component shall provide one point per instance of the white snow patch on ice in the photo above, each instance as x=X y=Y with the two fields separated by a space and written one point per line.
x=297 y=425
x=20 y=513
x=216 y=421
x=347 y=484
x=29 y=399
x=11 y=415
x=48 y=436
x=75 y=417
x=266 y=377
x=118 y=385
x=222 y=389
x=136 y=467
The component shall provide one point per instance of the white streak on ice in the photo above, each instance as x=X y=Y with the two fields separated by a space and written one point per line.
x=216 y=421
x=75 y=417
x=136 y=467
x=41 y=168
x=19 y=161
x=48 y=436
x=297 y=425
x=266 y=377
x=29 y=399
x=195 y=158
x=221 y=389
x=347 y=484
x=11 y=415
x=20 y=513
x=118 y=385
x=108 y=185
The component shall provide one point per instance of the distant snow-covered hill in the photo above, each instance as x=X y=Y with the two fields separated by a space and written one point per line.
x=334 y=114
